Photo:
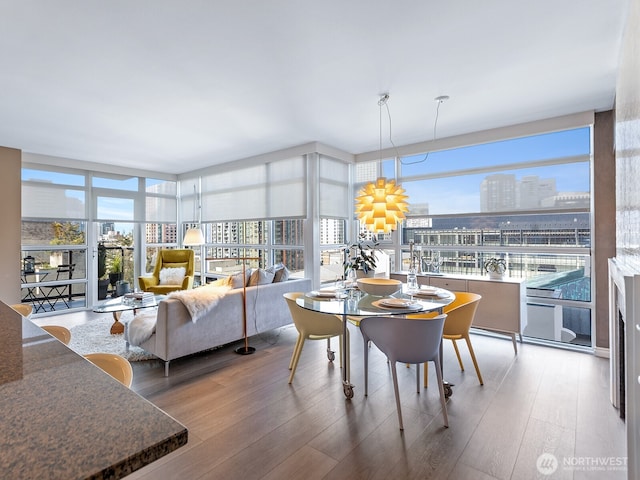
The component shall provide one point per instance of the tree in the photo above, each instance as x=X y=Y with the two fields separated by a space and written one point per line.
x=67 y=233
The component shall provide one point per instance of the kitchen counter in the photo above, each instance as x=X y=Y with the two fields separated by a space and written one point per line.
x=64 y=418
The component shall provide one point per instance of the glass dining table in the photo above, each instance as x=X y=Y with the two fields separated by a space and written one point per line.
x=354 y=305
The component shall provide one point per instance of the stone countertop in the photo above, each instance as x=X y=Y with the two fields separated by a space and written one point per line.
x=63 y=417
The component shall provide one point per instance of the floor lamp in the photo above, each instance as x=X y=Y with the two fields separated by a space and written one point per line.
x=246 y=349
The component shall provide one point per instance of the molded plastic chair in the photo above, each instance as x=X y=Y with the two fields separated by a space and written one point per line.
x=314 y=326
x=460 y=315
x=115 y=365
x=170 y=258
x=411 y=341
x=61 y=333
x=23 y=309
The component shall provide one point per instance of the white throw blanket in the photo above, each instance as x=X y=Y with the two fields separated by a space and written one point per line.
x=141 y=327
x=200 y=301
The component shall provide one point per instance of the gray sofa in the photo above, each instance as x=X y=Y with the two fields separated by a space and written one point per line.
x=176 y=335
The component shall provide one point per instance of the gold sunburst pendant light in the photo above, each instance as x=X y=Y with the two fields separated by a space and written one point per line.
x=381 y=205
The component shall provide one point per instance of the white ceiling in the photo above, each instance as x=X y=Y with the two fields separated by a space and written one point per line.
x=176 y=85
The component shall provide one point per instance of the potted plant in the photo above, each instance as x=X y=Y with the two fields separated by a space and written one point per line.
x=103 y=280
x=360 y=257
x=115 y=270
x=495 y=267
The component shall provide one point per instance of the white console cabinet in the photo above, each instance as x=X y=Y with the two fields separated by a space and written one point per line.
x=503 y=305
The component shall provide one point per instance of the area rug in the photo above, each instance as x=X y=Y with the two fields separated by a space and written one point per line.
x=94 y=336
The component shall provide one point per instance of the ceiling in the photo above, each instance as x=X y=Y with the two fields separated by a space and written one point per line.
x=173 y=86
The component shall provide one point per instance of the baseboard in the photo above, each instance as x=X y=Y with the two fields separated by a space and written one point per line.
x=601 y=352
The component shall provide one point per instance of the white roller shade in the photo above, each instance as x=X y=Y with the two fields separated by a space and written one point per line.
x=160 y=209
x=270 y=190
x=334 y=188
x=46 y=200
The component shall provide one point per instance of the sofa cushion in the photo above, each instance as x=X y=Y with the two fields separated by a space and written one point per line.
x=172 y=276
x=235 y=280
x=282 y=273
x=261 y=277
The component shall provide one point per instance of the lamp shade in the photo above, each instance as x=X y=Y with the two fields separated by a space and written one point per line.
x=193 y=237
x=380 y=205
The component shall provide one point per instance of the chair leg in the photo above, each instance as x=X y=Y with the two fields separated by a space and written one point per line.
x=455 y=347
x=473 y=358
x=298 y=352
x=394 y=373
x=295 y=349
x=443 y=402
x=366 y=365
x=417 y=378
x=426 y=374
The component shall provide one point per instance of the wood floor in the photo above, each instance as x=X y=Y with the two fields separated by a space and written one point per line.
x=246 y=422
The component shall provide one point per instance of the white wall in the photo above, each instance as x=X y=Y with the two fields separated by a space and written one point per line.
x=627 y=142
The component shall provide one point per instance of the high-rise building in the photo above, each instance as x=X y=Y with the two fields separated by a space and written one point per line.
x=498 y=193
x=532 y=191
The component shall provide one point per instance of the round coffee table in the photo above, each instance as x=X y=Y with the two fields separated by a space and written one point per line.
x=118 y=305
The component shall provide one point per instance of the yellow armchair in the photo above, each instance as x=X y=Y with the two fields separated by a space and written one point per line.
x=168 y=258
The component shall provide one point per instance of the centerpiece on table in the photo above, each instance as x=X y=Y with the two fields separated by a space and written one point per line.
x=360 y=257
x=496 y=268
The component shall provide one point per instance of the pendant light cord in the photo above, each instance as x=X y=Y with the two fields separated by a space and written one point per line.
x=440 y=101
x=383 y=101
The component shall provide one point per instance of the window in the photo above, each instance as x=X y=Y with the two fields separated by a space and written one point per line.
x=53 y=237
x=62 y=223
x=526 y=200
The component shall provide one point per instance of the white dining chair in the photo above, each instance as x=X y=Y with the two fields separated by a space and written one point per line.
x=411 y=341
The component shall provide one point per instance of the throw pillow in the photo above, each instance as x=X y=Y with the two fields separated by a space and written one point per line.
x=172 y=276
x=236 y=281
x=261 y=277
x=282 y=273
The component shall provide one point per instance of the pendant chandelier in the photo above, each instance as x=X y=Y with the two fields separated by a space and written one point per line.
x=381 y=205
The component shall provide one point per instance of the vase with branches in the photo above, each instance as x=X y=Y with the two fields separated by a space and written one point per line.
x=360 y=256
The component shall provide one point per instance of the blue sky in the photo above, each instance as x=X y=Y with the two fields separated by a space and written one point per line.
x=455 y=194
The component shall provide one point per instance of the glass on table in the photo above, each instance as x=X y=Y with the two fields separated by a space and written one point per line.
x=352 y=278
x=412 y=283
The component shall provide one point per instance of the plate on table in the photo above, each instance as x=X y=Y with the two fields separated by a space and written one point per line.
x=326 y=293
x=396 y=303
x=426 y=292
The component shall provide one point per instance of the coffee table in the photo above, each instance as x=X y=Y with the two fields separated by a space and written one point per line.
x=121 y=304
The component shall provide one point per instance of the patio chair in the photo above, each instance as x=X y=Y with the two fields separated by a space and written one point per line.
x=62 y=293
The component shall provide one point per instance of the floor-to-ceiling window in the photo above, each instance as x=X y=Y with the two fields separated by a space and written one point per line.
x=525 y=200
x=69 y=215
x=250 y=214
x=54 y=259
